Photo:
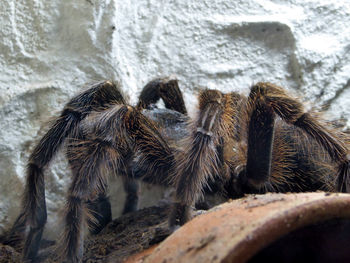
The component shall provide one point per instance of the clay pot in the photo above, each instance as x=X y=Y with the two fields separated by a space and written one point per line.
x=306 y=227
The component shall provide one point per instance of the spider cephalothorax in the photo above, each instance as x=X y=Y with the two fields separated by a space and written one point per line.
x=265 y=142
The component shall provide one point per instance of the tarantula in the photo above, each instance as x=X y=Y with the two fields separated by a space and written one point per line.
x=263 y=142
x=102 y=133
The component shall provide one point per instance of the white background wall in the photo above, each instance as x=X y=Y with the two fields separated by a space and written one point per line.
x=50 y=49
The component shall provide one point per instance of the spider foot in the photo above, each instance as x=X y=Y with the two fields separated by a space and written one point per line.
x=239 y=181
x=179 y=215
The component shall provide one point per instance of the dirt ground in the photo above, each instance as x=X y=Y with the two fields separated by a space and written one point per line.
x=121 y=238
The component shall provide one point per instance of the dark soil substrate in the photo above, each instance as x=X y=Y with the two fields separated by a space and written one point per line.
x=121 y=238
x=9 y=254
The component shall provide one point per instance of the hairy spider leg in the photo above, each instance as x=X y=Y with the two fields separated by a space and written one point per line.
x=33 y=212
x=202 y=158
x=132 y=190
x=168 y=90
x=102 y=210
x=111 y=138
x=260 y=142
x=266 y=99
x=90 y=159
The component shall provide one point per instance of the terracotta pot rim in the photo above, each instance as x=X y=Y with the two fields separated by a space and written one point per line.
x=235 y=231
x=333 y=206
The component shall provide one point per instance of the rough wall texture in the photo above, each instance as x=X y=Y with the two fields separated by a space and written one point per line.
x=50 y=49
